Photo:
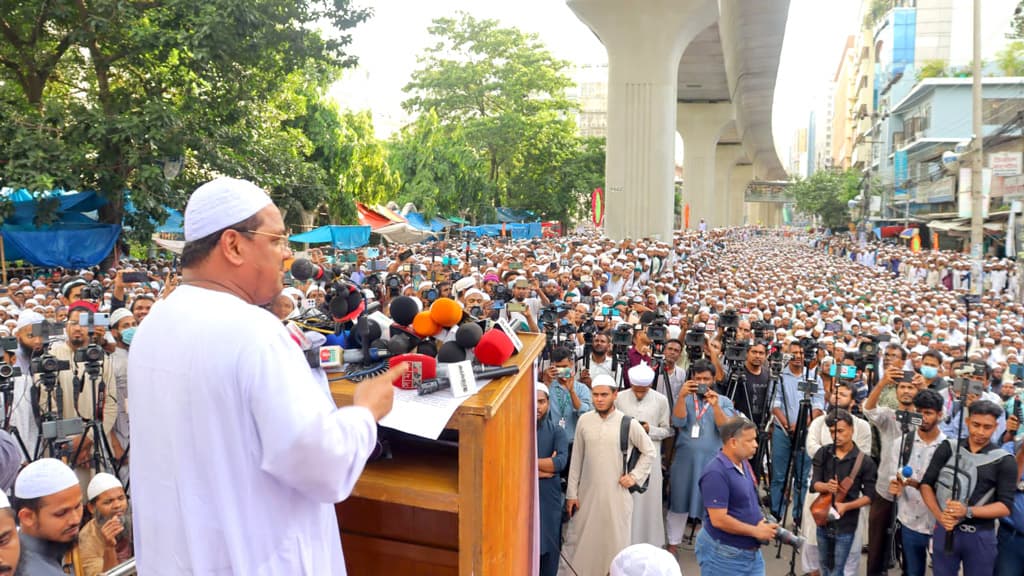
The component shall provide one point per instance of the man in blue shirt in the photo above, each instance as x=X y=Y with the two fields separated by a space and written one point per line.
x=552 y=455
x=785 y=408
x=569 y=399
x=734 y=527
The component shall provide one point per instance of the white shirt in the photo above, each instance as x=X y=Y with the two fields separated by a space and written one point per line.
x=21 y=413
x=237 y=454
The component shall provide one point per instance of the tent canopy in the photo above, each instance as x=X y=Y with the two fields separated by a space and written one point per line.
x=69 y=245
x=341 y=237
x=517 y=231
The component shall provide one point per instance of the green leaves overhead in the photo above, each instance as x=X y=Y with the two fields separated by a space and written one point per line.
x=825 y=194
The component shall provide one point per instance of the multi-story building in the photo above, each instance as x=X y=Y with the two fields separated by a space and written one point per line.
x=591 y=96
x=842 y=135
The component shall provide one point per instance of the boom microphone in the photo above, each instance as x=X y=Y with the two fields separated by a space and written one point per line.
x=431 y=386
x=304 y=269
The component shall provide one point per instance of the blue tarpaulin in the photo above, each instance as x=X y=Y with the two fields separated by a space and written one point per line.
x=417 y=221
x=514 y=215
x=517 y=231
x=341 y=237
x=67 y=244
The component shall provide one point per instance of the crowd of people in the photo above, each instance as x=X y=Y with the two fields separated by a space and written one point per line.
x=711 y=393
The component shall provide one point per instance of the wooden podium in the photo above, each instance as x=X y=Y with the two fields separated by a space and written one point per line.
x=437 y=509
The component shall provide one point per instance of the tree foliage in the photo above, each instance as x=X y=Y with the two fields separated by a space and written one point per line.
x=1017 y=24
x=1011 y=59
x=96 y=95
x=365 y=173
x=825 y=194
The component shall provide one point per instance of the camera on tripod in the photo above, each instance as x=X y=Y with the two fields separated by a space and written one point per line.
x=807 y=387
x=907 y=419
x=694 y=341
x=550 y=314
x=622 y=336
x=868 y=349
x=810 y=348
x=736 y=353
x=6 y=370
x=48 y=364
x=658 y=332
x=501 y=292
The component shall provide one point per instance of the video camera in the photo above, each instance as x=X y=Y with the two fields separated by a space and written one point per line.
x=394 y=284
x=622 y=336
x=657 y=331
x=810 y=348
x=736 y=353
x=549 y=315
x=92 y=291
x=808 y=387
x=867 y=351
x=501 y=292
x=6 y=370
x=694 y=341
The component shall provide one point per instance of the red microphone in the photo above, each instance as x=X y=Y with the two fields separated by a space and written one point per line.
x=494 y=348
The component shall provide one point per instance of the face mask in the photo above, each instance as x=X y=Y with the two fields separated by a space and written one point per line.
x=929 y=372
x=127 y=334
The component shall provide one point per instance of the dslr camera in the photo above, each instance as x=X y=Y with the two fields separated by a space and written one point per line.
x=782 y=535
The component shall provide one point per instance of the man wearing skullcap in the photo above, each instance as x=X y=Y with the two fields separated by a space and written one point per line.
x=552 y=455
x=122 y=329
x=48 y=502
x=598 y=499
x=649 y=408
x=227 y=414
x=644 y=560
x=105 y=540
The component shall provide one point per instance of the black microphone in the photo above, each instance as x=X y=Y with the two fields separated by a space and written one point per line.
x=304 y=269
x=435 y=384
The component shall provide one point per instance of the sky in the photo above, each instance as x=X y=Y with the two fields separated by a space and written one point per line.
x=389 y=44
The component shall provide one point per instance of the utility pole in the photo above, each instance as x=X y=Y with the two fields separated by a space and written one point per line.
x=977 y=163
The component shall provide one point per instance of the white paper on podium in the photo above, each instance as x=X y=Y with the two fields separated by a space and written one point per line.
x=424 y=416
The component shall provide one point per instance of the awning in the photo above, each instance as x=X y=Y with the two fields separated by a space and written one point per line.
x=964 y=225
x=175 y=246
x=341 y=237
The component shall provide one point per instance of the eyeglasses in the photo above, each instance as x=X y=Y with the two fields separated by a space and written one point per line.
x=281 y=240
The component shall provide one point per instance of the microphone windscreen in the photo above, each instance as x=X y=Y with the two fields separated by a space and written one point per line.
x=469 y=334
x=427 y=347
x=446 y=312
x=373 y=327
x=421 y=367
x=494 y=348
x=336 y=340
x=424 y=325
x=347 y=304
x=304 y=269
x=403 y=310
x=451 y=352
x=400 y=344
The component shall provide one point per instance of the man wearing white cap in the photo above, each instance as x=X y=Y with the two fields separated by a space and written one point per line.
x=122 y=328
x=237 y=454
x=105 y=541
x=48 y=502
x=552 y=455
x=645 y=560
x=22 y=418
x=649 y=408
x=28 y=344
x=598 y=499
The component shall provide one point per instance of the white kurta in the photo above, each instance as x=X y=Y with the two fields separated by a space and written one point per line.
x=237 y=454
x=600 y=528
x=648 y=512
x=21 y=413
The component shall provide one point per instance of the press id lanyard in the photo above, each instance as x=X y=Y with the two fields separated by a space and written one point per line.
x=695 y=430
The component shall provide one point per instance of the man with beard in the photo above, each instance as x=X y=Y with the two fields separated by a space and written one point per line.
x=83 y=404
x=747 y=385
x=48 y=502
x=122 y=328
x=598 y=500
x=552 y=455
x=600 y=358
x=29 y=344
x=890 y=433
x=22 y=417
x=10 y=545
x=106 y=540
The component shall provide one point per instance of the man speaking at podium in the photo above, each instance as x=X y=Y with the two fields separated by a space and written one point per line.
x=237 y=455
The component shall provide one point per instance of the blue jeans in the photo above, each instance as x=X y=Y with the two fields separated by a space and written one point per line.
x=781 y=450
x=975 y=550
x=1011 y=552
x=915 y=552
x=838 y=546
x=713 y=557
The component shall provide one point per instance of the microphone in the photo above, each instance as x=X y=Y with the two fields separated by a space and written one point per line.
x=451 y=352
x=469 y=335
x=494 y=348
x=304 y=269
x=905 y=473
x=441 y=383
x=334 y=356
x=403 y=310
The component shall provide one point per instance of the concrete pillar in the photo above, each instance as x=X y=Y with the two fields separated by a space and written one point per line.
x=700 y=124
x=740 y=176
x=726 y=156
x=645 y=40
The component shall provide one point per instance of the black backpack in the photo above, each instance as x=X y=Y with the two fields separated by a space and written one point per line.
x=629 y=460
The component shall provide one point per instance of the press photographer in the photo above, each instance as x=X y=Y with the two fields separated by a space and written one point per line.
x=747 y=382
x=734 y=527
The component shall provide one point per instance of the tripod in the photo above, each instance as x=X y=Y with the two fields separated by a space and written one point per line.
x=7 y=390
x=795 y=469
x=909 y=421
x=102 y=456
x=54 y=429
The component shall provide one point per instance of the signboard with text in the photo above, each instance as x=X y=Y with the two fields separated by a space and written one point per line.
x=1005 y=163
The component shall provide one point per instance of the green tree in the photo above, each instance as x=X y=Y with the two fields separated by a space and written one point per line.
x=825 y=194
x=1017 y=24
x=96 y=95
x=441 y=173
x=365 y=173
x=1011 y=59
x=497 y=83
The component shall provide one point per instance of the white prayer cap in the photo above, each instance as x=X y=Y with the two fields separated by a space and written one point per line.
x=541 y=387
x=118 y=315
x=220 y=203
x=463 y=284
x=645 y=560
x=603 y=380
x=101 y=483
x=641 y=375
x=293 y=293
x=44 y=477
x=28 y=318
x=4 y=501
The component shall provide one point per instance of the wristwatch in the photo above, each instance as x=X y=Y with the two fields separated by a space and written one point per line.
x=969 y=515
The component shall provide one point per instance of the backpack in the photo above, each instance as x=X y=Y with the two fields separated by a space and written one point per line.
x=966 y=478
x=629 y=460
